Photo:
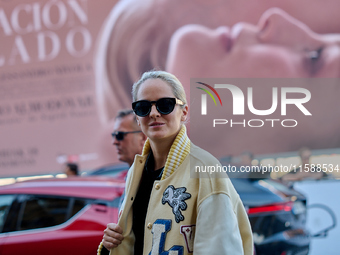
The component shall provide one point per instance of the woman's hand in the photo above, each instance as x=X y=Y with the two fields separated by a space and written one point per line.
x=112 y=236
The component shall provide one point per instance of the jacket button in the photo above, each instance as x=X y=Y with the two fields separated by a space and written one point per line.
x=157 y=186
x=149 y=226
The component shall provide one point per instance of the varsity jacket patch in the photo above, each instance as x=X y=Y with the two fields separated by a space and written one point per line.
x=188 y=232
x=159 y=231
x=175 y=198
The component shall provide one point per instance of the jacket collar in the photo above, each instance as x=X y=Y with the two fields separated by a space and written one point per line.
x=178 y=152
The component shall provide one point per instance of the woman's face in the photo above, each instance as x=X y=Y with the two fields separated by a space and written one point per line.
x=157 y=126
x=279 y=46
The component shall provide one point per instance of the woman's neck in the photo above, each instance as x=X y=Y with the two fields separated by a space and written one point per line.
x=160 y=150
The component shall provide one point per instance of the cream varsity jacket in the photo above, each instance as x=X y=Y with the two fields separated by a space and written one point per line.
x=186 y=215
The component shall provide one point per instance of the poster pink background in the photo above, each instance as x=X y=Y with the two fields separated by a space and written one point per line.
x=48 y=107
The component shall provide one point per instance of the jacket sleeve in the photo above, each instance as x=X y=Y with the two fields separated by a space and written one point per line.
x=217 y=228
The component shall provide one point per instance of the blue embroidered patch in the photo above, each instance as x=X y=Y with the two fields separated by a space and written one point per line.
x=175 y=198
x=159 y=230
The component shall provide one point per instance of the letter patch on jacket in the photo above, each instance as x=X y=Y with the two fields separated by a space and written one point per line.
x=175 y=198
x=159 y=231
x=188 y=232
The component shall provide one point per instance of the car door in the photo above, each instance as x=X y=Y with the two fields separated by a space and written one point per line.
x=55 y=225
x=38 y=224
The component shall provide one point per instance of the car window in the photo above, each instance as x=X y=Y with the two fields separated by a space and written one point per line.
x=44 y=211
x=77 y=206
x=41 y=212
x=5 y=203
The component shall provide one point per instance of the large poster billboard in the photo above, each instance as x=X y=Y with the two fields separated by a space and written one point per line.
x=67 y=66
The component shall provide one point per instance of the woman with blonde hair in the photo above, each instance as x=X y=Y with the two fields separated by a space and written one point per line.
x=165 y=209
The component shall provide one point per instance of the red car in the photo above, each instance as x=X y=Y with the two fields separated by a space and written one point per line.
x=57 y=216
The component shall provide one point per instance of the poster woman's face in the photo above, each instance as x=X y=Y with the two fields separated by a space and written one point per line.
x=279 y=46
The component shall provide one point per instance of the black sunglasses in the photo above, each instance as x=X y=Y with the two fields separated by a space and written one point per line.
x=164 y=106
x=119 y=135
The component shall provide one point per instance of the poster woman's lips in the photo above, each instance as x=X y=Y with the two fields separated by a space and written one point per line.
x=226 y=38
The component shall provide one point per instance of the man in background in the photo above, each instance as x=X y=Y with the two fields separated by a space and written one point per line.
x=71 y=169
x=127 y=136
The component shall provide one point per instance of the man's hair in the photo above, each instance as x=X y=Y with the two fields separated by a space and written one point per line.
x=73 y=167
x=125 y=112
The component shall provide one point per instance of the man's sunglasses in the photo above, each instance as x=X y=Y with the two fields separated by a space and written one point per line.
x=164 y=106
x=119 y=135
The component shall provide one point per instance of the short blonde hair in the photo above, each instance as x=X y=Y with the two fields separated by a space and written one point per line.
x=170 y=79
